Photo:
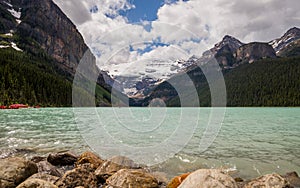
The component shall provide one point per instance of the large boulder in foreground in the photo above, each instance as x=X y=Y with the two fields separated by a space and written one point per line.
x=129 y=178
x=62 y=159
x=269 y=180
x=14 y=171
x=80 y=176
x=208 y=178
x=36 y=183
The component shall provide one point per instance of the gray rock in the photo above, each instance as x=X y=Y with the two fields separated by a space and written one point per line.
x=48 y=168
x=208 y=178
x=292 y=178
x=14 y=171
x=36 y=183
x=254 y=51
x=269 y=180
x=62 y=159
x=38 y=159
x=129 y=178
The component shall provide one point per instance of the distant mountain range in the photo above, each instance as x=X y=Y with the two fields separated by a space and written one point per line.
x=242 y=66
x=230 y=53
x=41 y=49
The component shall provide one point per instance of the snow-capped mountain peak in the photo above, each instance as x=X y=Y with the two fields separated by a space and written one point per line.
x=290 y=36
x=227 y=40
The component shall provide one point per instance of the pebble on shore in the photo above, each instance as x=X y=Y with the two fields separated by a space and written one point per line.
x=90 y=171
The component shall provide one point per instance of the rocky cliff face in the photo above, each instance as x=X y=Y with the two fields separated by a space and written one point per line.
x=42 y=31
x=228 y=42
x=44 y=26
x=7 y=21
x=223 y=51
x=254 y=51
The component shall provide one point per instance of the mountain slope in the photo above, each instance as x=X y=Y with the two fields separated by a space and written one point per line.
x=48 y=42
x=223 y=52
x=268 y=82
x=254 y=76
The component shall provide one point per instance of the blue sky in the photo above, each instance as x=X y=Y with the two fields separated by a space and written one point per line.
x=145 y=10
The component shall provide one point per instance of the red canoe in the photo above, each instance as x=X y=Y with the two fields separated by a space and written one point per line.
x=3 y=107
x=18 y=106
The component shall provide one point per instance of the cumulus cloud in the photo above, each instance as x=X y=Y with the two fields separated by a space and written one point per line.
x=77 y=11
x=191 y=26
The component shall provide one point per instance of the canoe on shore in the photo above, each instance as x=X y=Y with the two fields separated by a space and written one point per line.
x=3 y=107
x=18 y=106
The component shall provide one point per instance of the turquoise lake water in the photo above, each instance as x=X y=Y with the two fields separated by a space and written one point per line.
x=251 y=141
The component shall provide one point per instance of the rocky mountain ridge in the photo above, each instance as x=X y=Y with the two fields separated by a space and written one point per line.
x=231 y=55
x=230 y=52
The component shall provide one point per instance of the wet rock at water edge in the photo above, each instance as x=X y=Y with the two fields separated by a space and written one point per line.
x=83 y=175
x=208 y=178
x=36 y=183
x=38 y=159
x=127 y=178
x=161 y=177
x=91 y=158
x=269 y=180
x=14 y=171
x=62 y=159
x=293 y=179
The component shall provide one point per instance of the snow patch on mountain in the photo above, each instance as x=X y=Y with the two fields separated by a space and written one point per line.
x=4 y=46
x=15 y=13
x=7 y=3
x=137 y=76
x=14 y=46
x=289 y=37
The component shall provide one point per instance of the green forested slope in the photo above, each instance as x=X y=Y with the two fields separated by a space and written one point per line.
x=269 y=82
x=35 y=80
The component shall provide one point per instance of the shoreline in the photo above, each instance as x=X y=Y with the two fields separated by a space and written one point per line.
x=65 y=169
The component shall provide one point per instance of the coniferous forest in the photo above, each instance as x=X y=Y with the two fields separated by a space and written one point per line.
x=34 y=80
x=268 y=82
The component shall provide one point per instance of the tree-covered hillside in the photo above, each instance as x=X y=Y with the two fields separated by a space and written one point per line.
x=35 y=80
x=269 y=82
